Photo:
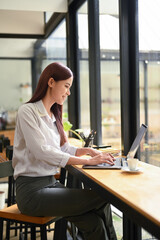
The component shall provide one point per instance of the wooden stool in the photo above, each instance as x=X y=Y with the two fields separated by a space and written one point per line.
x=13 y=214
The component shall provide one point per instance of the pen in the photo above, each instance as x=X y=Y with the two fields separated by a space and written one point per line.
x=90 y=138
x=98 y=147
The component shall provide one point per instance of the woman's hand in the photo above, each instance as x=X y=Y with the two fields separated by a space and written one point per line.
x=92 y=152
x=87 y=151
x=97 y=157
x=102 y=157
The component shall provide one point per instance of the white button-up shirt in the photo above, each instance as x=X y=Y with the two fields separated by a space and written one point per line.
x=37 y=150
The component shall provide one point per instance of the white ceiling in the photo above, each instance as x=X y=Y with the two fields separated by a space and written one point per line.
x=21 y=22
x=34 y=5
x=27 y=17
x=24 y=17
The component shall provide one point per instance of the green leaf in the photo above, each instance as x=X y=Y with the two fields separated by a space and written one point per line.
x=67 y=125
x=65 y=115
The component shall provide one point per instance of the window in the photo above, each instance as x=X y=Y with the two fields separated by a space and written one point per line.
x=84 y=68
x=149 y=47
x=54 y=50
x=110 y=73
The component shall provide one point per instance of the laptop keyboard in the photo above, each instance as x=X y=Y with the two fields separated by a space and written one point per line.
x=117 y=162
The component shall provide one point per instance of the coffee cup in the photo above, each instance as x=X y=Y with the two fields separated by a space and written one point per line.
x=132 y=163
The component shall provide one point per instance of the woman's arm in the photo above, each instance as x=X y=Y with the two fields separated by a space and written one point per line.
x=87 y=151
x=96 y=159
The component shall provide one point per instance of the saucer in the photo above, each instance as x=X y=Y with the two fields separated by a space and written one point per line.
x=137 y=170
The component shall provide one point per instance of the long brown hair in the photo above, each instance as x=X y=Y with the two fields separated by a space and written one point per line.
x=58 y=72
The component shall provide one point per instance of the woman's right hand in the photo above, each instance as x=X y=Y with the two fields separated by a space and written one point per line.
x=103 y=157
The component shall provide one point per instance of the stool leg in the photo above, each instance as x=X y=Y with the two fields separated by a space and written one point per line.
x=1 y=229
x=16 y=225
x=26 y=232
x=10 y=186
x=33 y=232
x=8 y=230
x=60 y=230
x=49 y=227
x=21 y=236
x=43 y=232
x=13 y=192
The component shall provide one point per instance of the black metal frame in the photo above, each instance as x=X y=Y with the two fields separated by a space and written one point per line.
x=73 y=63
x=53 y=22
x=32 y=36
x=74 y=109
x=145 y=65
x=94 y=69
x=129 y=72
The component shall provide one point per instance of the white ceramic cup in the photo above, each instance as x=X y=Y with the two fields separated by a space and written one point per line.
x=132 y=163
x=2 y=199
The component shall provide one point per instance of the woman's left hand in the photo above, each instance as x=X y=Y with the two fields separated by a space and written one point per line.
x=87 y=151
x=93 y=152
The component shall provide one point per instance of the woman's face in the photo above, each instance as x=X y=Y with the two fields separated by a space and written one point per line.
x=60 y=90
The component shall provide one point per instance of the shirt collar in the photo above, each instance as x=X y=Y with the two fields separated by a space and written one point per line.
x=42 y=110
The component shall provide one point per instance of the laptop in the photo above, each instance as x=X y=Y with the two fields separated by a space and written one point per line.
x=118 y=163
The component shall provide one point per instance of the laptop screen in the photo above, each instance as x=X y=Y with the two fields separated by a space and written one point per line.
x=137 y=141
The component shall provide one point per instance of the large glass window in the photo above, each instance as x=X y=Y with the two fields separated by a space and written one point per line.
x=84 y=67
x=149 y=49
x=55 y=46
x=110 y=73
x=54 y=50
x=110 y=84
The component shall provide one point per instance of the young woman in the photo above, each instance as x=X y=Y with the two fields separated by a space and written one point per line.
x=41 y=146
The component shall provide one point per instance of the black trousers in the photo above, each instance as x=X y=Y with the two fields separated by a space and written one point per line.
x=44 y=196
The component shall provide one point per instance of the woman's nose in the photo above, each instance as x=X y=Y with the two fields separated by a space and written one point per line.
x=68 y=92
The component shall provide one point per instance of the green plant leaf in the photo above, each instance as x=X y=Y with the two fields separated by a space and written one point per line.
x=67 y=125
x=65 y=115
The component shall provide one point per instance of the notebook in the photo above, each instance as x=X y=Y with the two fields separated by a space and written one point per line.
x=118 y=163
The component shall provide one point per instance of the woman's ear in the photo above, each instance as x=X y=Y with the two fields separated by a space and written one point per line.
x=51 y=82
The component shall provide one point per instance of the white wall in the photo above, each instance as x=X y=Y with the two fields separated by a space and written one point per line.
x=12 y=74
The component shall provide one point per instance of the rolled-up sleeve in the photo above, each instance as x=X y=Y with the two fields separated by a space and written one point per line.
x=69 y=149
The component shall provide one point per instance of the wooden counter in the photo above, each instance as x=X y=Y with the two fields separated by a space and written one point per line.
x=135 y=194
